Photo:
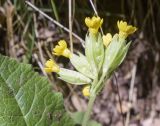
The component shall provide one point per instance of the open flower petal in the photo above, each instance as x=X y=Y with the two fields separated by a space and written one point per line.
x=125 y=29
x=51 y=66
x=61 y=49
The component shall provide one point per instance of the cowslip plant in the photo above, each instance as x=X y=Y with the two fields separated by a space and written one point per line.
x=103 y=54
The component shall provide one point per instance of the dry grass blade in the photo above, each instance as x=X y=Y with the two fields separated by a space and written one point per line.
x=70 y=24
x=119 y=98
x=131 y=92
x=55 y=22
x=9 y=9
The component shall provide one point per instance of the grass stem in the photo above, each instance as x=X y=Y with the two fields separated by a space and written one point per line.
x=70 y=24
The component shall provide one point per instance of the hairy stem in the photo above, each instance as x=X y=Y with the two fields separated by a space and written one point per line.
x=89 y=109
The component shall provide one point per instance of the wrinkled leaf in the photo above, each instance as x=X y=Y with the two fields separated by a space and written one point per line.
x=82 y=65
x=27 y=99
x=73 y=77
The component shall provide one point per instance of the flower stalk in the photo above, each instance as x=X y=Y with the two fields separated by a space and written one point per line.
x=89 y=110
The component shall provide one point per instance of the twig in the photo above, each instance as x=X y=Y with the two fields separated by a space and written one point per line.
x=131 y=92
x=119 y=99
x=39 y=64
x=95 y=11
x=55 y=22
x=40 y=52
x=70 y=24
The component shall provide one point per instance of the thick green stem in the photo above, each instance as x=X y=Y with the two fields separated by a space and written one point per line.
x=98 y=84
x=89 y=109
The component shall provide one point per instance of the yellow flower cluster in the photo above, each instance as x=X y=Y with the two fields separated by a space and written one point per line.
x=61 y=49
x=93 y=24
x=125 y=29
x=51 y=66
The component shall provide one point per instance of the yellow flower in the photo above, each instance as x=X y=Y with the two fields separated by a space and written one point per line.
x=86 y=91
x=51 y=66
x=125 y=29
x=93 y=24
x=61 y=49
x=107 y=39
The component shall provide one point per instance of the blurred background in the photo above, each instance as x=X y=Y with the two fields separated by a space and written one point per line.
x=29 y=37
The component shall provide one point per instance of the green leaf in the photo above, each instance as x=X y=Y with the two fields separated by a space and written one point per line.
x=113 y=51
x=95 y=51
x=89 y=47
x=27 y=99
x=93 y=123
x=73 y=77
x=82 y=65
x=78 y=119
x=98 y=51
x=120 y=57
